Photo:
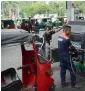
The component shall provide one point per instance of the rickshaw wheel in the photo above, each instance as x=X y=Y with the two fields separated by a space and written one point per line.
x=52 y=88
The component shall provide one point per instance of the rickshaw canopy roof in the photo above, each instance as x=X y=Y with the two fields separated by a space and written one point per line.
x=10 y=36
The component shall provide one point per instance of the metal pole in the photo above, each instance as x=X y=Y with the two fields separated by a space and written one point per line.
x=2 y=7
x=18 y=11
x=69 y=10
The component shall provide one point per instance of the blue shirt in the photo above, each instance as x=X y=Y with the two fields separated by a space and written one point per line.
x=63 y=47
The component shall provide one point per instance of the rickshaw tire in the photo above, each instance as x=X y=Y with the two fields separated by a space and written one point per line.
x=52 y=88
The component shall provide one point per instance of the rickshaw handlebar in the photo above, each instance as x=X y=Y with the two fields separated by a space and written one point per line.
x=21 y=67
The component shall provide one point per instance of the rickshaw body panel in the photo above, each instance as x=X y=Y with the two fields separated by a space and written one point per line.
x=44 y=81
x=28 y=77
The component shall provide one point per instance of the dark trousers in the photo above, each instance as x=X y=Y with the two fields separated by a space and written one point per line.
x=65 y=67
x=47 y=51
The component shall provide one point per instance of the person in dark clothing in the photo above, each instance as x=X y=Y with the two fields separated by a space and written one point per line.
x=37 y=26
x=48 y=37
x=23 y=25
x=48 y=34
x=30 y=25
x=63 y=45
x=27 y=26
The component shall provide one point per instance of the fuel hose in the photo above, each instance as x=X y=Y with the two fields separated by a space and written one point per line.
x=80 y=78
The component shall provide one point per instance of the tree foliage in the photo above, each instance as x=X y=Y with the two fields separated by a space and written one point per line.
x=43 y=8
x=6 y=5
x=30 y=8
x=81 y=6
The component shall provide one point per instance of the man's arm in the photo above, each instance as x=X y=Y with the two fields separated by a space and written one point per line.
x=57 y=30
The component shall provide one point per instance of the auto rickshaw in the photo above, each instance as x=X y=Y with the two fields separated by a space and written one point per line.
x=36 y=69
x=58 y=22
x=8 y=24
x=45 y=19
x=78 y=40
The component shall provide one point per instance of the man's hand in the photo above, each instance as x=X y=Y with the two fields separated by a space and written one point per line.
x=72 y=47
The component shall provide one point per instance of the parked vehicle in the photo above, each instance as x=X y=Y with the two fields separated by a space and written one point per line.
x=7 y=24
x=36 y=69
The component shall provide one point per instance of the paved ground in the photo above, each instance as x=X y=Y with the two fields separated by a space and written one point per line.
x=11 y=57
x=56 y=76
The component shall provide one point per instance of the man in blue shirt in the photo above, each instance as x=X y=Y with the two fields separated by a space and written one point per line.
x=63 y=45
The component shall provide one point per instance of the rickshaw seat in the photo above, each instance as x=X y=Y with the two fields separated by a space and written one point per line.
x=12 y=84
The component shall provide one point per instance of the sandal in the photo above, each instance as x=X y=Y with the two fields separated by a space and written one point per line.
x=78 y=86
x=64 y=85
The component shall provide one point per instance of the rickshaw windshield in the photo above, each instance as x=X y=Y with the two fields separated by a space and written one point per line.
x=40 y=47
x=39 y=42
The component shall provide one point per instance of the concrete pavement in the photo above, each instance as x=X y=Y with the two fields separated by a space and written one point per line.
x=56 y=76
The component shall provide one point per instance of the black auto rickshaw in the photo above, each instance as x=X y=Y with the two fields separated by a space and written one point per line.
x=7 y=24
x=78 y=40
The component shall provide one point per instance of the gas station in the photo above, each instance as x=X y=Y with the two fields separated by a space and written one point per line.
x=33 y=71
x=73 y=13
